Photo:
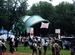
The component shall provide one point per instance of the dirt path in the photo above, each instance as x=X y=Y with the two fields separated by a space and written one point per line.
x=15 y=53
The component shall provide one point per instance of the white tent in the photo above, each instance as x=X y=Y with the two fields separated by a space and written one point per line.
x=12 y=36
x=4 y=36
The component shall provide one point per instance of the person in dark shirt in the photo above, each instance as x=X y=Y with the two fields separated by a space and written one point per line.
x=39 y=49
x=45 y=46
x=16 y=43
x=53 y=48
x=72 y=48
x=11 y=45
x=3 y=47
x=34 y=49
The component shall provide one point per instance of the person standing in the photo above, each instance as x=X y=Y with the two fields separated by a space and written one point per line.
x=57 y=48
x=16 y=43
x=39 y=49
x=34 y=48
x=11 y=45
x=53 y=48
x=0 y=46
x=3 y=47
x=45 y=46
x=72 y=48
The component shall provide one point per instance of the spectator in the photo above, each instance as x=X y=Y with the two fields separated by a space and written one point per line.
x=39 y=49
x=39 y=40
x=53 y=48
x=23 y=41
x=57 y=48
x=16 y=43
x=11 y=44
x=3 y=46
x=72 y=48
x=0 y=46
x=34 y=48
x=26 y=43
x=49 y=43
x=45 y=46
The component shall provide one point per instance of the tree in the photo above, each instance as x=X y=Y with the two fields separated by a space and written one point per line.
x=3 y=14
x=64 y=17
x=18 y=12
x=11 y=11
x=60 y=16
x=44 y=9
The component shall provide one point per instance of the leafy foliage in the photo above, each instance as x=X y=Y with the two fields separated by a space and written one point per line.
x=11 y=11
x=61 y=16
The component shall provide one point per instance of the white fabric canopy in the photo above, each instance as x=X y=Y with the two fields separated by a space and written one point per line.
x=4 y=36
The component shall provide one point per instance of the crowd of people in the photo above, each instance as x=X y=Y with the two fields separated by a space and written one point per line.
x=36 y=44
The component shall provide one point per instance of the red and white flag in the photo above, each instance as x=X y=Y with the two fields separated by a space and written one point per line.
x=31 y=32
x=44 y=25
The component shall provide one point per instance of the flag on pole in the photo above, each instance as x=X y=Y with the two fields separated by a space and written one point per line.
x=44 y=25
x=31 y=32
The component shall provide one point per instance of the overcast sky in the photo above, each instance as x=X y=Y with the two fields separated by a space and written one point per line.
x=54 y=2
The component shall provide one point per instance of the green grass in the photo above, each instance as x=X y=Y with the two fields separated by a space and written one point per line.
x=65 y=52
x=28 y=50
x=20 y=49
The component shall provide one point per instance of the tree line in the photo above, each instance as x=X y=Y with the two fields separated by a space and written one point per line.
x=61 y=16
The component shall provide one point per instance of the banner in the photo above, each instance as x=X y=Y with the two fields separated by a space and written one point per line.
x=44 y=25
x=57 y=30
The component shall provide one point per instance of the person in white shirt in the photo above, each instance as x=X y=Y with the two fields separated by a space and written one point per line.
x=3 y=47
x=34 y=47
x=0 y=47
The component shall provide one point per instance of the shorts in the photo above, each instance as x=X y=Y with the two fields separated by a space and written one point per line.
x=34 y=49
x=45 y=48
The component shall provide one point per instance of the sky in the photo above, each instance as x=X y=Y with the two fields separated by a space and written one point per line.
x=54 y=2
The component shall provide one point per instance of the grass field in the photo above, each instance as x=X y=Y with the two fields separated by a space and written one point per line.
x=28 y=50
